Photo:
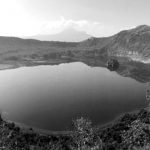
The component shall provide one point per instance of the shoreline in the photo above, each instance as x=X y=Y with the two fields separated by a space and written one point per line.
x=14 y=65
x=110 y=123
x=120 y=133
x=46 y=132
x=40 y=130
x=110 y=133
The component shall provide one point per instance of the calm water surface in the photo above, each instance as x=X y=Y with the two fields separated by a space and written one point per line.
x=49 y=97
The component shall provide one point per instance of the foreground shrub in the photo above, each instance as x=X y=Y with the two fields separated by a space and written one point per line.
x=137 y=135
x=129 y=132
x=84 y=137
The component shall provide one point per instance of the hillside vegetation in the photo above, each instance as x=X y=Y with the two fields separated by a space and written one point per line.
x=133 y=43
x=129 y=132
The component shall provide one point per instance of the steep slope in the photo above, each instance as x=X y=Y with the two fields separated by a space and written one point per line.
x=133 y=43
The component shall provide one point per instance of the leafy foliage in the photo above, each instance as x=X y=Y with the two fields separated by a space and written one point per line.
x=129 y=132
x=84 y=136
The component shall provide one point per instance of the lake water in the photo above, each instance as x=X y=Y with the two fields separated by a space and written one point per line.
x=49 y=97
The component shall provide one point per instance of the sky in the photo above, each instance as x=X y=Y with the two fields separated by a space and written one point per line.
x=96 y=17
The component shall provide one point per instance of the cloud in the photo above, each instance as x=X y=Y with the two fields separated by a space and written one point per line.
x=15 y=20
x=52 y=27
x=92 y=28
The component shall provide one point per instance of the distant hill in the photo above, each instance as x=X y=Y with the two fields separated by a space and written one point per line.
x=67 y=35
x=133 y=43
x=8 y=44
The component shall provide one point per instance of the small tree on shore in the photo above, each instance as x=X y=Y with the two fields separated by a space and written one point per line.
x=83 y=136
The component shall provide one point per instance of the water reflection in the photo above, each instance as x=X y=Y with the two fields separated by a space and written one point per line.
x=50 y=97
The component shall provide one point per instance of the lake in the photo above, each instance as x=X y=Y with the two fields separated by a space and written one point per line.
x=49 y=97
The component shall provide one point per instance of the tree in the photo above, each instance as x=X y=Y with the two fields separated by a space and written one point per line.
x=83 y=136
x=112 y=64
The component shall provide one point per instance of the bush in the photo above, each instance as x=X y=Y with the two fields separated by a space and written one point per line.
x=112 y=64
x=145 y=147
x=137 y=135
x=84 y=136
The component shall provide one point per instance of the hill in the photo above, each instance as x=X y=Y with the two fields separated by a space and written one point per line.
x=67 y=35
x=133 y=43
x=128 y=45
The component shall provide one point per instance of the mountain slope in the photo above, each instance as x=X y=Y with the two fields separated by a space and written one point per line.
x=68 y=35
x=133 y=43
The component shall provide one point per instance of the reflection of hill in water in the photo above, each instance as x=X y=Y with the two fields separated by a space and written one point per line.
x=136 y=70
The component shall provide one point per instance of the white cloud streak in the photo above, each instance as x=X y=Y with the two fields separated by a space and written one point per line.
x=92 y=28
x=16 y=21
